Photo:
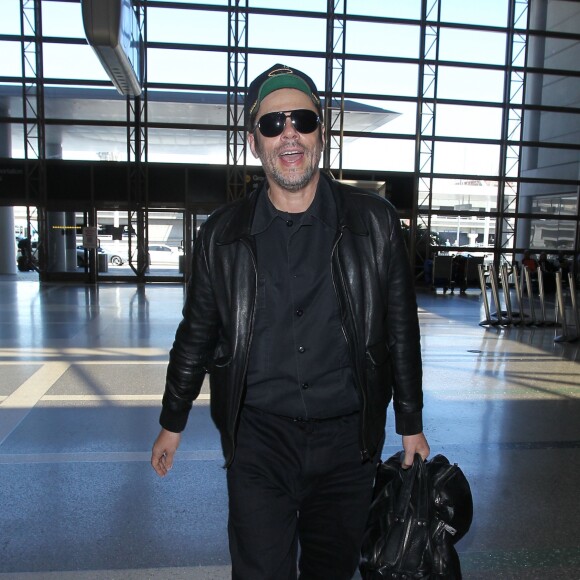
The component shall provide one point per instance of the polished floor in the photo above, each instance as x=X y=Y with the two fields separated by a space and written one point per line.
x=81 y=376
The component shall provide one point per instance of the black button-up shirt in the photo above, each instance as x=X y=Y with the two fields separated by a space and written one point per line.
x=299 y=363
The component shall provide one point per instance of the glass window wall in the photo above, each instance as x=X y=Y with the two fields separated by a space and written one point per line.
x=472 y=195
x=383 y=116
x=410 y=9
x=58 y=63
x=476 y=47
x=265 y=31
x=378 y=154
x=551 y=234
x=10 y=63
x=187 y=146
x=103 y=105
x=470 y=84
x=62 y=19
x=306 y=5
x=472 y=122
x=466 y=158
x=187 y=26
x=389 y=40
x=10 y=21
x=187 y=107
x=456 y=232
x=191 y=67
x=381 y=78
x=488 y=13
x=314 y=67
x=457 y=155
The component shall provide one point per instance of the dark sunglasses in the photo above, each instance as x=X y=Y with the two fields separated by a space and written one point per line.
x=303 y=120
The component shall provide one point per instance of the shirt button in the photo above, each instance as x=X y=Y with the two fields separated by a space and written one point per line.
x=305 y=385
x=289 y=223
x=299 y=312
x=301 y=349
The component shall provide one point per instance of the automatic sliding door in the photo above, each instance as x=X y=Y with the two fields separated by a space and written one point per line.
x=166 y=244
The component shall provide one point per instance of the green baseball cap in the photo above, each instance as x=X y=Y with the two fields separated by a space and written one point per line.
x=278 y=77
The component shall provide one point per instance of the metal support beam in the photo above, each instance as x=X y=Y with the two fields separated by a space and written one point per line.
x=511 y=137
x=237 y=81
x=425 y=129
x=34 y=119
x=334 y=85
x=137 y=157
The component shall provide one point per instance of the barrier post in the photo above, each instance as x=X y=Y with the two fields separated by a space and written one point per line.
x=495 y=294
x=562 y=310
x=526 y=272
x=518 y=290
x=542 y=289
x=506 y=293
x=481 y=271
x=572 y=285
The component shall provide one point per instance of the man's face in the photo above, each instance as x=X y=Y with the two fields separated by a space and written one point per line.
x=290 y=159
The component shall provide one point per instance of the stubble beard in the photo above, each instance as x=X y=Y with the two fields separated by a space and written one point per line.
x=294 y=179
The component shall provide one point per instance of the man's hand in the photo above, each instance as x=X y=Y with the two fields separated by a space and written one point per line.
x=414 y=444
x=164 y=449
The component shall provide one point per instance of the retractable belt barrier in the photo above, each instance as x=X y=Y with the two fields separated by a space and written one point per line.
x=526 y=314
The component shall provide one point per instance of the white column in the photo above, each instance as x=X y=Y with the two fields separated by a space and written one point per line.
x=71 y=241
x=7 y=241
x=56 y=239
x=61 y=233
x=7 y=238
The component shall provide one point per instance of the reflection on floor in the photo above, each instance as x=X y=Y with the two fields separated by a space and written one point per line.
x=82 y=372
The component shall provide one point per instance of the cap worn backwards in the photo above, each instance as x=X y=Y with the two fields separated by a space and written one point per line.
x=278 y=77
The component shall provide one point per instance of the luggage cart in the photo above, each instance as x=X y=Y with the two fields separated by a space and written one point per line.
x=472 y=271
x=442 y=272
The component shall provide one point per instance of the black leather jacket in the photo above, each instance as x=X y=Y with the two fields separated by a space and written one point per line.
x=375 y=290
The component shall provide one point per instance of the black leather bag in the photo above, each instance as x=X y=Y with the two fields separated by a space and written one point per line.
x=416 y=517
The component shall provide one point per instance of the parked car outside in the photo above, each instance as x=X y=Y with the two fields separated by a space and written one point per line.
x=159 y=254
x=116 y=259
x=118 y=253
x=81 y=255
x=162 y=254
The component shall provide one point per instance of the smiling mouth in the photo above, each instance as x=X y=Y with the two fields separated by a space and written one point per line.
x=291 y=153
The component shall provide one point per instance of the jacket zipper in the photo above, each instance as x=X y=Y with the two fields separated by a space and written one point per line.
x=364 y=450
x=405 y=541
x=249 y=342
x=443 y=474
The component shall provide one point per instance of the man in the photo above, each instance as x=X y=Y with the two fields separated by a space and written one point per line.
x=301 y=306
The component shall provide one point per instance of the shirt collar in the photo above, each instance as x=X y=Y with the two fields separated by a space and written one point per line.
x=265 y=212
x=322 y=208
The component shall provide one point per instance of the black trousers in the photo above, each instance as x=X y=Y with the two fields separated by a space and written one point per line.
x=297 y=487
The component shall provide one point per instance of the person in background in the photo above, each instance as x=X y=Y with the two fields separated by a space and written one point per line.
x=548 y=273
x=301 y=306
x=530 y=262
x=564 y=267
x=545 y=264
x=459 y=273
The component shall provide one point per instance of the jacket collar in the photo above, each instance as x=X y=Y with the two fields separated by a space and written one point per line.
x=349 y=216
x=241 y=218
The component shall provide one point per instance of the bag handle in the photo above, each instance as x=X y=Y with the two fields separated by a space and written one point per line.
x=415 y=475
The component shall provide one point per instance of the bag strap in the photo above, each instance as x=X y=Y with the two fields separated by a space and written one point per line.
x=423 y=494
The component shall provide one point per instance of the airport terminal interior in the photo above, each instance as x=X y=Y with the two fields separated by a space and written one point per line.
x=83 y=373
x=465 y=114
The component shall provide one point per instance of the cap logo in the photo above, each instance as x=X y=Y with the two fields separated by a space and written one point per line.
x=281 y=71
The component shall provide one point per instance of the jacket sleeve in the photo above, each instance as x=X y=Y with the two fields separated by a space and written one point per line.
x=194 y=343
x=404 y=340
